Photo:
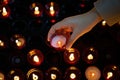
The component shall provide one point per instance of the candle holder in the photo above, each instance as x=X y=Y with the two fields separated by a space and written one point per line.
x=53 y=73
x=92 y=73
x=71 y=56
x=90 y=55
x=34 y=74
x=72 y=73
x=15 y=74
x=111 y=72
x=36 y=9
x=4 y=11
x=59 y=39
x=52 y=9
x=18 y=41
x=35 y=57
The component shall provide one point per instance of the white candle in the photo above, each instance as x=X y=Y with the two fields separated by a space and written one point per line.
x=92 y=73
x=58 y=41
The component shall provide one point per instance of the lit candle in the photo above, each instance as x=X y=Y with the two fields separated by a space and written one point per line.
x=2 y=77
x=90 y=55
x=34 y=74
x=71 y=56
x=52 y=9
x=1 y=43
x=16 y=78
x=36 y=9
x=72 y=73
x=103 y=23
x=35 y=57
x=53 y=73
x=18 y=41
x=4 y=12
x=111 y=72
x=92 y=73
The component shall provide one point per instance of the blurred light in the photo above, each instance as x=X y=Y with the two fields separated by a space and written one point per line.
x=103 y=23
x=53 y=76
x=92 y=73
x=34 y=74
x=35 y=57
x=2 y=76
x=71 y=56
x=4 y=11
x=72 y=75
x=4 y=2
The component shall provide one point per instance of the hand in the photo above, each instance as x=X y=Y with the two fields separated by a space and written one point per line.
x=78 y=25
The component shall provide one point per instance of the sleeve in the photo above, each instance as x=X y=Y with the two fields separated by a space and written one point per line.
x=109 y=10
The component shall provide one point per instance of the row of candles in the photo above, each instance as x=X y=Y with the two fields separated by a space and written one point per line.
x=36 y=10
x=110 y=72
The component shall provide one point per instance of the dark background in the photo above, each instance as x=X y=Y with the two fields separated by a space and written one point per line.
x=105 y=39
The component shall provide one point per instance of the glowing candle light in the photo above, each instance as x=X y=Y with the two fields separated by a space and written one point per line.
x=71 y=56
x=90 y=55
x=36 y=9
x=111 y=72
x=72 y=73
x=2 y=77
x=92 y=73
x=16 y=78
x=18 y=41
x=5 y=2
x=53 y=73
x=52 y=9
x=103 y=23
x=4 y=12
x=1 y=43
x=35 y=57
x=34 y=74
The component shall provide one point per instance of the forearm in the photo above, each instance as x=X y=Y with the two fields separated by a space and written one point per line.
x=109 y=10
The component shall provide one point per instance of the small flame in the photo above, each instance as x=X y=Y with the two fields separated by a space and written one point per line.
x=109 y=75
x=4 y=12
x=72 y=76
x=36 y=58
x=52 y=11
x=34 y=76
x=71 y=57
x=53 y=76
x=36 y=10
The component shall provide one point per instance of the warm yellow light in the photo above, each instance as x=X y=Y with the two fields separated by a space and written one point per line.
x=4 y=11
x=103 y=23
x=36 y=58
x=16 y=78
x=20 y=42
x=59 y=43
x=1 y=43
x=72 y=76
x=53 y=76
x=52 y=11
x=34 y=76
x=90 y=57
x=1 y=76
x=71 y=57
x=109 y=75
x=36 y=10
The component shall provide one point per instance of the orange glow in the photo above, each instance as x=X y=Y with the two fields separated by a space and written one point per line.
x=59 y=43
x=71 y=57
x=72 y=76
x=36 y=10
x=1 y=43
x=4 y=12
x=20 y=42
x=16 y=78
x=52 y=11
x=53 y=76
x=90 y=57
x=36 y=59
x=109 y=75
x=2 y=76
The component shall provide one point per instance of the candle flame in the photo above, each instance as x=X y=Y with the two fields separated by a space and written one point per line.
x=53 y=76
x=36 y=10
x=103 y=23
x=36 y=58
x=71 y=57
x=16 y=78
x=34 y=76
x=52 y=11
x=109 y=75
x=59 y=43
x=1 y=43
x=90 y=57
x=4 y=11
x=72 y=76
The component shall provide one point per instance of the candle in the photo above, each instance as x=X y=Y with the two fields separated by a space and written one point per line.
x=52 y=9
x=34 y=74
x=16 y=74
x=90 y=55
x=111 y=72
x=53 y=73
x=35 y=57
x=4 y=11
x=36 y=9
x=72 y=73
x=18 y=41
x=59 y=39
x=71 y=56
x=2 y=76
x=92 y=73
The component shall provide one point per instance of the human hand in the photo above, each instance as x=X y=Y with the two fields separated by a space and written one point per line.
x=78 y=25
